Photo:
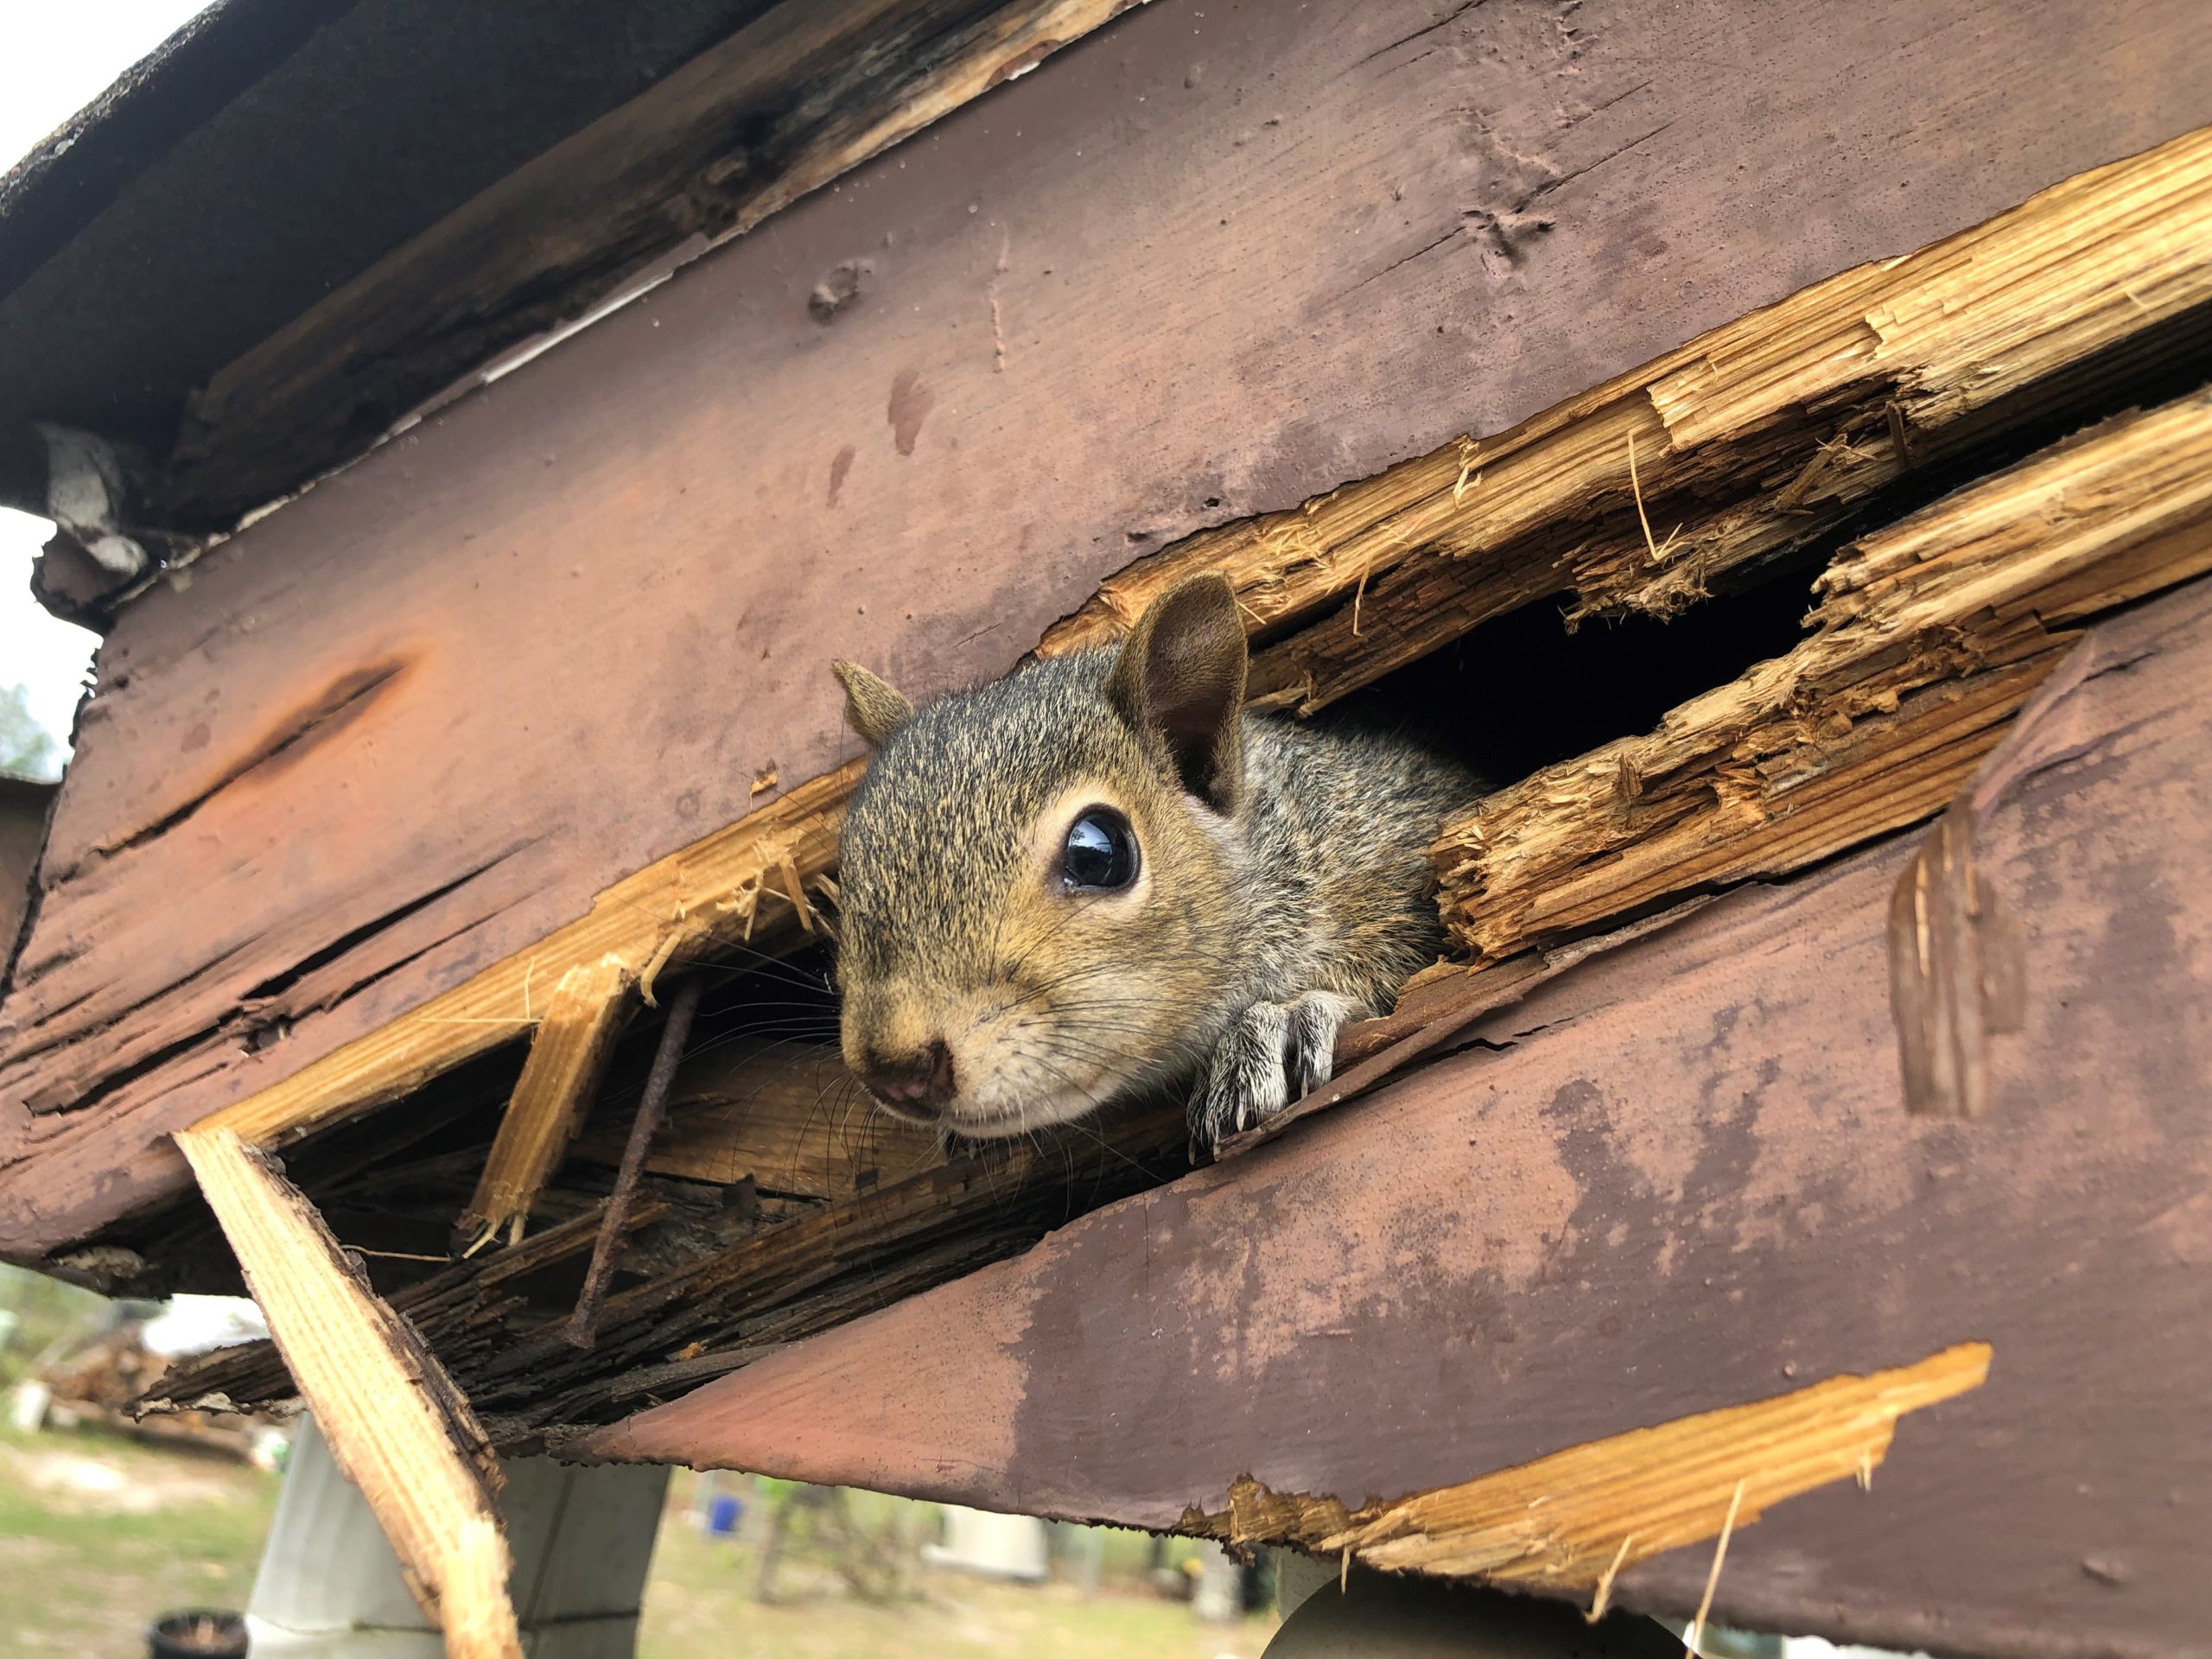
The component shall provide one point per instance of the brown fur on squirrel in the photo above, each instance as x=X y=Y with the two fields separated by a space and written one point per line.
x=1101 y=878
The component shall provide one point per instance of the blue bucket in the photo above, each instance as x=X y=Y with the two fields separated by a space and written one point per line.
x=722 y=1515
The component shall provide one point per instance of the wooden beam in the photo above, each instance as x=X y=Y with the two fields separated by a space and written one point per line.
x=346 y=762
x=1754 y=439
x=1928 y=637
x=796 y=99
x=2153 y=215
x=1680 y=1179
x=397 y=1426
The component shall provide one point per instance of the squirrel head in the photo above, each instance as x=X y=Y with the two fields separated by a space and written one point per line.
x=1037 y=878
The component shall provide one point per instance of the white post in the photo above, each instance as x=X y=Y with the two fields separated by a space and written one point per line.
x=329 y=1586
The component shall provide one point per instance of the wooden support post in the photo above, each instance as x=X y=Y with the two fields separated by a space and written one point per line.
x=398 y=1427
x=591 y=1003
x=329 y=1586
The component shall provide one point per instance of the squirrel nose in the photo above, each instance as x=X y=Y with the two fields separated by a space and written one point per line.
x=920 y=1083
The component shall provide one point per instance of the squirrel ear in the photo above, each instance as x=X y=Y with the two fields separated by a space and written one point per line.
x=873 y=707
x=1180 y=678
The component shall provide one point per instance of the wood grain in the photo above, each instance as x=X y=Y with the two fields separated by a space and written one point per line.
x=411 y=723
x=1574 y=1520
x=397 y=1426
x=1681 y=1178
x=795 y=99
x=1927 y=636
x=787 y=1117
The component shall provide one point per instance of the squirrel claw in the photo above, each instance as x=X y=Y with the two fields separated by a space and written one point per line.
x=1274 y=1053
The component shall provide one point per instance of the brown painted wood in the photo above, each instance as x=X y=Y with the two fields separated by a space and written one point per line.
x=1491 y=525
x=415 y=719
x=798 y=97
x=1683 y=1177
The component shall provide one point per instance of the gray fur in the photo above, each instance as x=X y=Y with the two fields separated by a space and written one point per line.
x=1261 y=932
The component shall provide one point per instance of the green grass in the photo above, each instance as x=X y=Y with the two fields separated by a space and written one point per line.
x=85 y=1580
x=698 y=1604
x=84 y=1577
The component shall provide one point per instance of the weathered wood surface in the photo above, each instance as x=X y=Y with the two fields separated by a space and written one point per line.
x=800 y=95
x=418 y=718
x=1928 y=635
x=1680 y=1177
x=1766 y=422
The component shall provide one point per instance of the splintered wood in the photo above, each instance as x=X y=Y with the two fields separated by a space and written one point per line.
x=1928 y=637
x=1750 y=441
x=568 y=1057
x=397 y=1426
x=1574 y=1520
x=716 y=888
x=1958 y=970
x=906 y=1216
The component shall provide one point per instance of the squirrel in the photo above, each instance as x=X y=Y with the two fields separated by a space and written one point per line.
x=1100 y=878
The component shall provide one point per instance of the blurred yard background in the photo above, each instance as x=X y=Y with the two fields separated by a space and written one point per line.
x=101 y=1531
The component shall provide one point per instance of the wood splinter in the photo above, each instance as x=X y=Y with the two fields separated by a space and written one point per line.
x=583 y=1330
x=395 y=1423
x=568 y=1057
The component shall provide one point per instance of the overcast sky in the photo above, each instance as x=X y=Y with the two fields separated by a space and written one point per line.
x=54 y=61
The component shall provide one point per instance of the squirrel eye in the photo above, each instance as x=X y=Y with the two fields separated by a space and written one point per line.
x=1100 y=850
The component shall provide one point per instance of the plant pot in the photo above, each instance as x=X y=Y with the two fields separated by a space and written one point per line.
x=197 y=1633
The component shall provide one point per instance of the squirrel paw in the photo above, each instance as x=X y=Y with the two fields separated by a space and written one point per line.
x=1274 y=1053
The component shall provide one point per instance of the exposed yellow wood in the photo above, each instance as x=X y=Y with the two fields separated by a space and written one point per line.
x=1573 y=1519
x=396 y=1425
x=1787 y=415
x=715 y=888
x=788 y=1116
x=1928 y=636
x=1749 y=440
x=568 y=1057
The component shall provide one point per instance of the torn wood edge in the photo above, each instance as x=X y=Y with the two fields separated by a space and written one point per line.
x=2152 y=249
x=1574 y=1520
x=396 y=1425
x=1944 y=1009
x=710 y=892
x=1969 y=601
x=1958 y=971
x=1931 y=338
x=568 y=1053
